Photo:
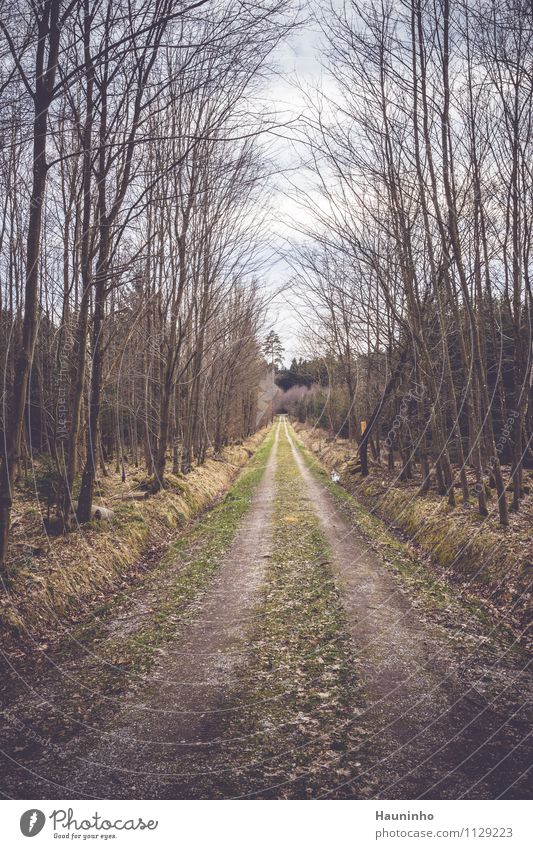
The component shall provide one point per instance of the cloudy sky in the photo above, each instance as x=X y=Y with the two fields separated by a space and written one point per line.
x=299 y=72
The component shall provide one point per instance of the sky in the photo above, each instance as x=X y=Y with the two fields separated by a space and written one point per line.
x=298 y=64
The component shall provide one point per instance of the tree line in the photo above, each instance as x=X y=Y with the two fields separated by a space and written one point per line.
x=132 y=189
x=415 y=278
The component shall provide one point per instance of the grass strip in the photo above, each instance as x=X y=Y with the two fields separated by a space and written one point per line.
x=300 y=694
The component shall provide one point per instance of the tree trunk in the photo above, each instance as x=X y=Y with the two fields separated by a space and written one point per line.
x=48 y=31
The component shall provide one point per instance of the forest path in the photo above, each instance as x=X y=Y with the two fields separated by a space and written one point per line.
x=182 y=706
x=287 y=659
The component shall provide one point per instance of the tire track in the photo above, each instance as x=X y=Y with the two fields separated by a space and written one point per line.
x=435 y=734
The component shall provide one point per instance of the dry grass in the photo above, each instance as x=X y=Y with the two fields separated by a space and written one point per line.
x=54 y=580
x=483 y=560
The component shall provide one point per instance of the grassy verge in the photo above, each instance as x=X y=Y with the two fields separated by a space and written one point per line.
x=425 y=587
x=298 y=725
x=489 y=566
x=57 y=581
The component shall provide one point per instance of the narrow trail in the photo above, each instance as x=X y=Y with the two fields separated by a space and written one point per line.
x=300 y=666
x=183 y=706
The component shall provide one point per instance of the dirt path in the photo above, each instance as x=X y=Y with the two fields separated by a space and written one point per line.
x=276 y=655
x=446 y=723
x=182 y=707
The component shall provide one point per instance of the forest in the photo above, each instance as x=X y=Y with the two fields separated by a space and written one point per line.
x=266 y=420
